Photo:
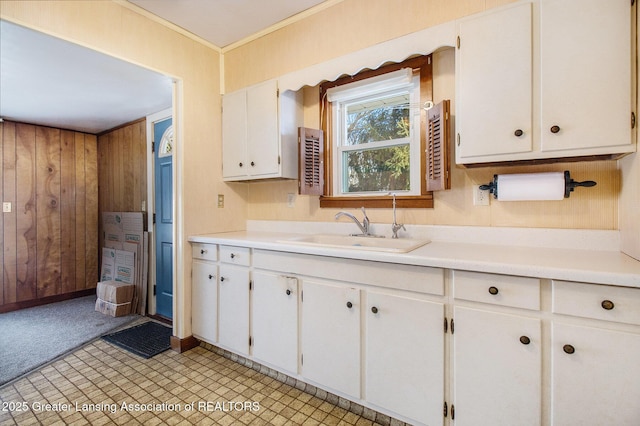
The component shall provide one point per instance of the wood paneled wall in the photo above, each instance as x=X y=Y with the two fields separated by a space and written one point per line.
x=122 y=161
x=49 y=240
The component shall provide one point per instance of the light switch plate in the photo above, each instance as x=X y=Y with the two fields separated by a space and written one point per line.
x=220 y=201
x=6 y=207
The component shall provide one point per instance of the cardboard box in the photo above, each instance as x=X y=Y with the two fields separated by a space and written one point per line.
x=113 y=309
x=115 y=292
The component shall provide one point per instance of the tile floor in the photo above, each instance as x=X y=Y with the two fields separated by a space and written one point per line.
x=90 y=386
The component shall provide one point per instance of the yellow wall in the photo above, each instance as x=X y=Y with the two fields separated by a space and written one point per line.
x=355 y=24
x=120 y=31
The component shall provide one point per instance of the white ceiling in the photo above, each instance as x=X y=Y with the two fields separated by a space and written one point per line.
x=48 y=81
x=223 y=22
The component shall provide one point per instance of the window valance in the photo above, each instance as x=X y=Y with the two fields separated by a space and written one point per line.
x=396 y=50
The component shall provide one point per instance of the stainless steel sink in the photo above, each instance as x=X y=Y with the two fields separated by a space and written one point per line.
x=398 y=245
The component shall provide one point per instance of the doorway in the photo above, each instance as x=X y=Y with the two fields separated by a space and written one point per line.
x=162 y=137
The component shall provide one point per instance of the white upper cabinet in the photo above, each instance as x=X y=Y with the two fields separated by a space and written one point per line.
x=260 y=133
x=545 y=79
x=585 y=74
x=493 y=94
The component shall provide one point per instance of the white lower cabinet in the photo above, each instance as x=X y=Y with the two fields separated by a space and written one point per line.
x=381 y=337
x=404 y=356
x=331 y=335
x=234 y=308
x=595 y=365
x=204 y=306
x=596 y=376
x=497 y=368
x=274 y=314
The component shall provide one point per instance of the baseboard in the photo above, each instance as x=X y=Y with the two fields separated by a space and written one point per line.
x=45 y=300
x=182 y=345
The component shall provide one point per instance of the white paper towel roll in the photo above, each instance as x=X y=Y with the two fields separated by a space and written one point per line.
x=531 y=186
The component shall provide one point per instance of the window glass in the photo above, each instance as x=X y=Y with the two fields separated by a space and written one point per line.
x=374 y=139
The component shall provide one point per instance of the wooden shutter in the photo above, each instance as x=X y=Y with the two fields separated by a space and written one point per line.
x=437 y=151
x=311 y=161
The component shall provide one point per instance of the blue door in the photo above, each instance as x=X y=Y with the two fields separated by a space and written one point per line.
x=163 y=163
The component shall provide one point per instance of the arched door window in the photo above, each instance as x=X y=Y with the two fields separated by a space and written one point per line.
x=166 y=143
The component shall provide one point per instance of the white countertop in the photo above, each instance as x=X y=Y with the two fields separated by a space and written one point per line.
x=592 y=266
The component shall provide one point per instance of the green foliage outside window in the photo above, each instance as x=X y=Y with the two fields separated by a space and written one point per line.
x=377 y=168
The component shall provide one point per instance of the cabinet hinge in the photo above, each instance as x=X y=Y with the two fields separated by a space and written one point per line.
x=278 y=160
x=633 y=120
x=301 y=359
x=446 y=325
x=301 y=296
x=250 y=285
x=445 y=410
x=458 y=139
x=451 y=330
x=250 y=341
x=153 y=147
x=458 y=42
x=154 y=289
x=453 y=412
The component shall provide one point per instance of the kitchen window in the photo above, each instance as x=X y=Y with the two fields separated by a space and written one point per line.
x=375 y=134
x=375 y=125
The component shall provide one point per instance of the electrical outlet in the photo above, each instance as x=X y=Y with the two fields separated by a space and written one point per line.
x=220 y=201
x=6 y=207
x=480 y=197
x=291 y=199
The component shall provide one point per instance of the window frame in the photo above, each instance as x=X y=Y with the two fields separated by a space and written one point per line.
x=339 y=149
x=422 y=66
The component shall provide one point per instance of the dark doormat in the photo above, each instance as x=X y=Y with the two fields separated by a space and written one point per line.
x=146 y=340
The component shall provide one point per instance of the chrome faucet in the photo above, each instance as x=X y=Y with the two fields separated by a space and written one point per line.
x=395 y=227
x=364 y=226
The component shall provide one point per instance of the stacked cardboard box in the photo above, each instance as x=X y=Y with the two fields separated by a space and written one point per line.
x=125 y=254
x=114 y=298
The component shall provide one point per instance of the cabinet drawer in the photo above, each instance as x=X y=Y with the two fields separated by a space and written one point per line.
x=204 y=251
x=505 y=290
x=620 y=304
x=235 y=255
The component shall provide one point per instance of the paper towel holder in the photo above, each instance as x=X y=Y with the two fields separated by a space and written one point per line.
x=569 y=185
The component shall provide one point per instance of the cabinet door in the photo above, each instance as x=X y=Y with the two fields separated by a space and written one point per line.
x=263 y=153
x=497 y=374
x=233 y=330
x=404 y=352
x=204 y=301
x=275 y=320
x=585 y=54
x=596 y=381
x=331 y=336
x=234 y=134
x=493 y=84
